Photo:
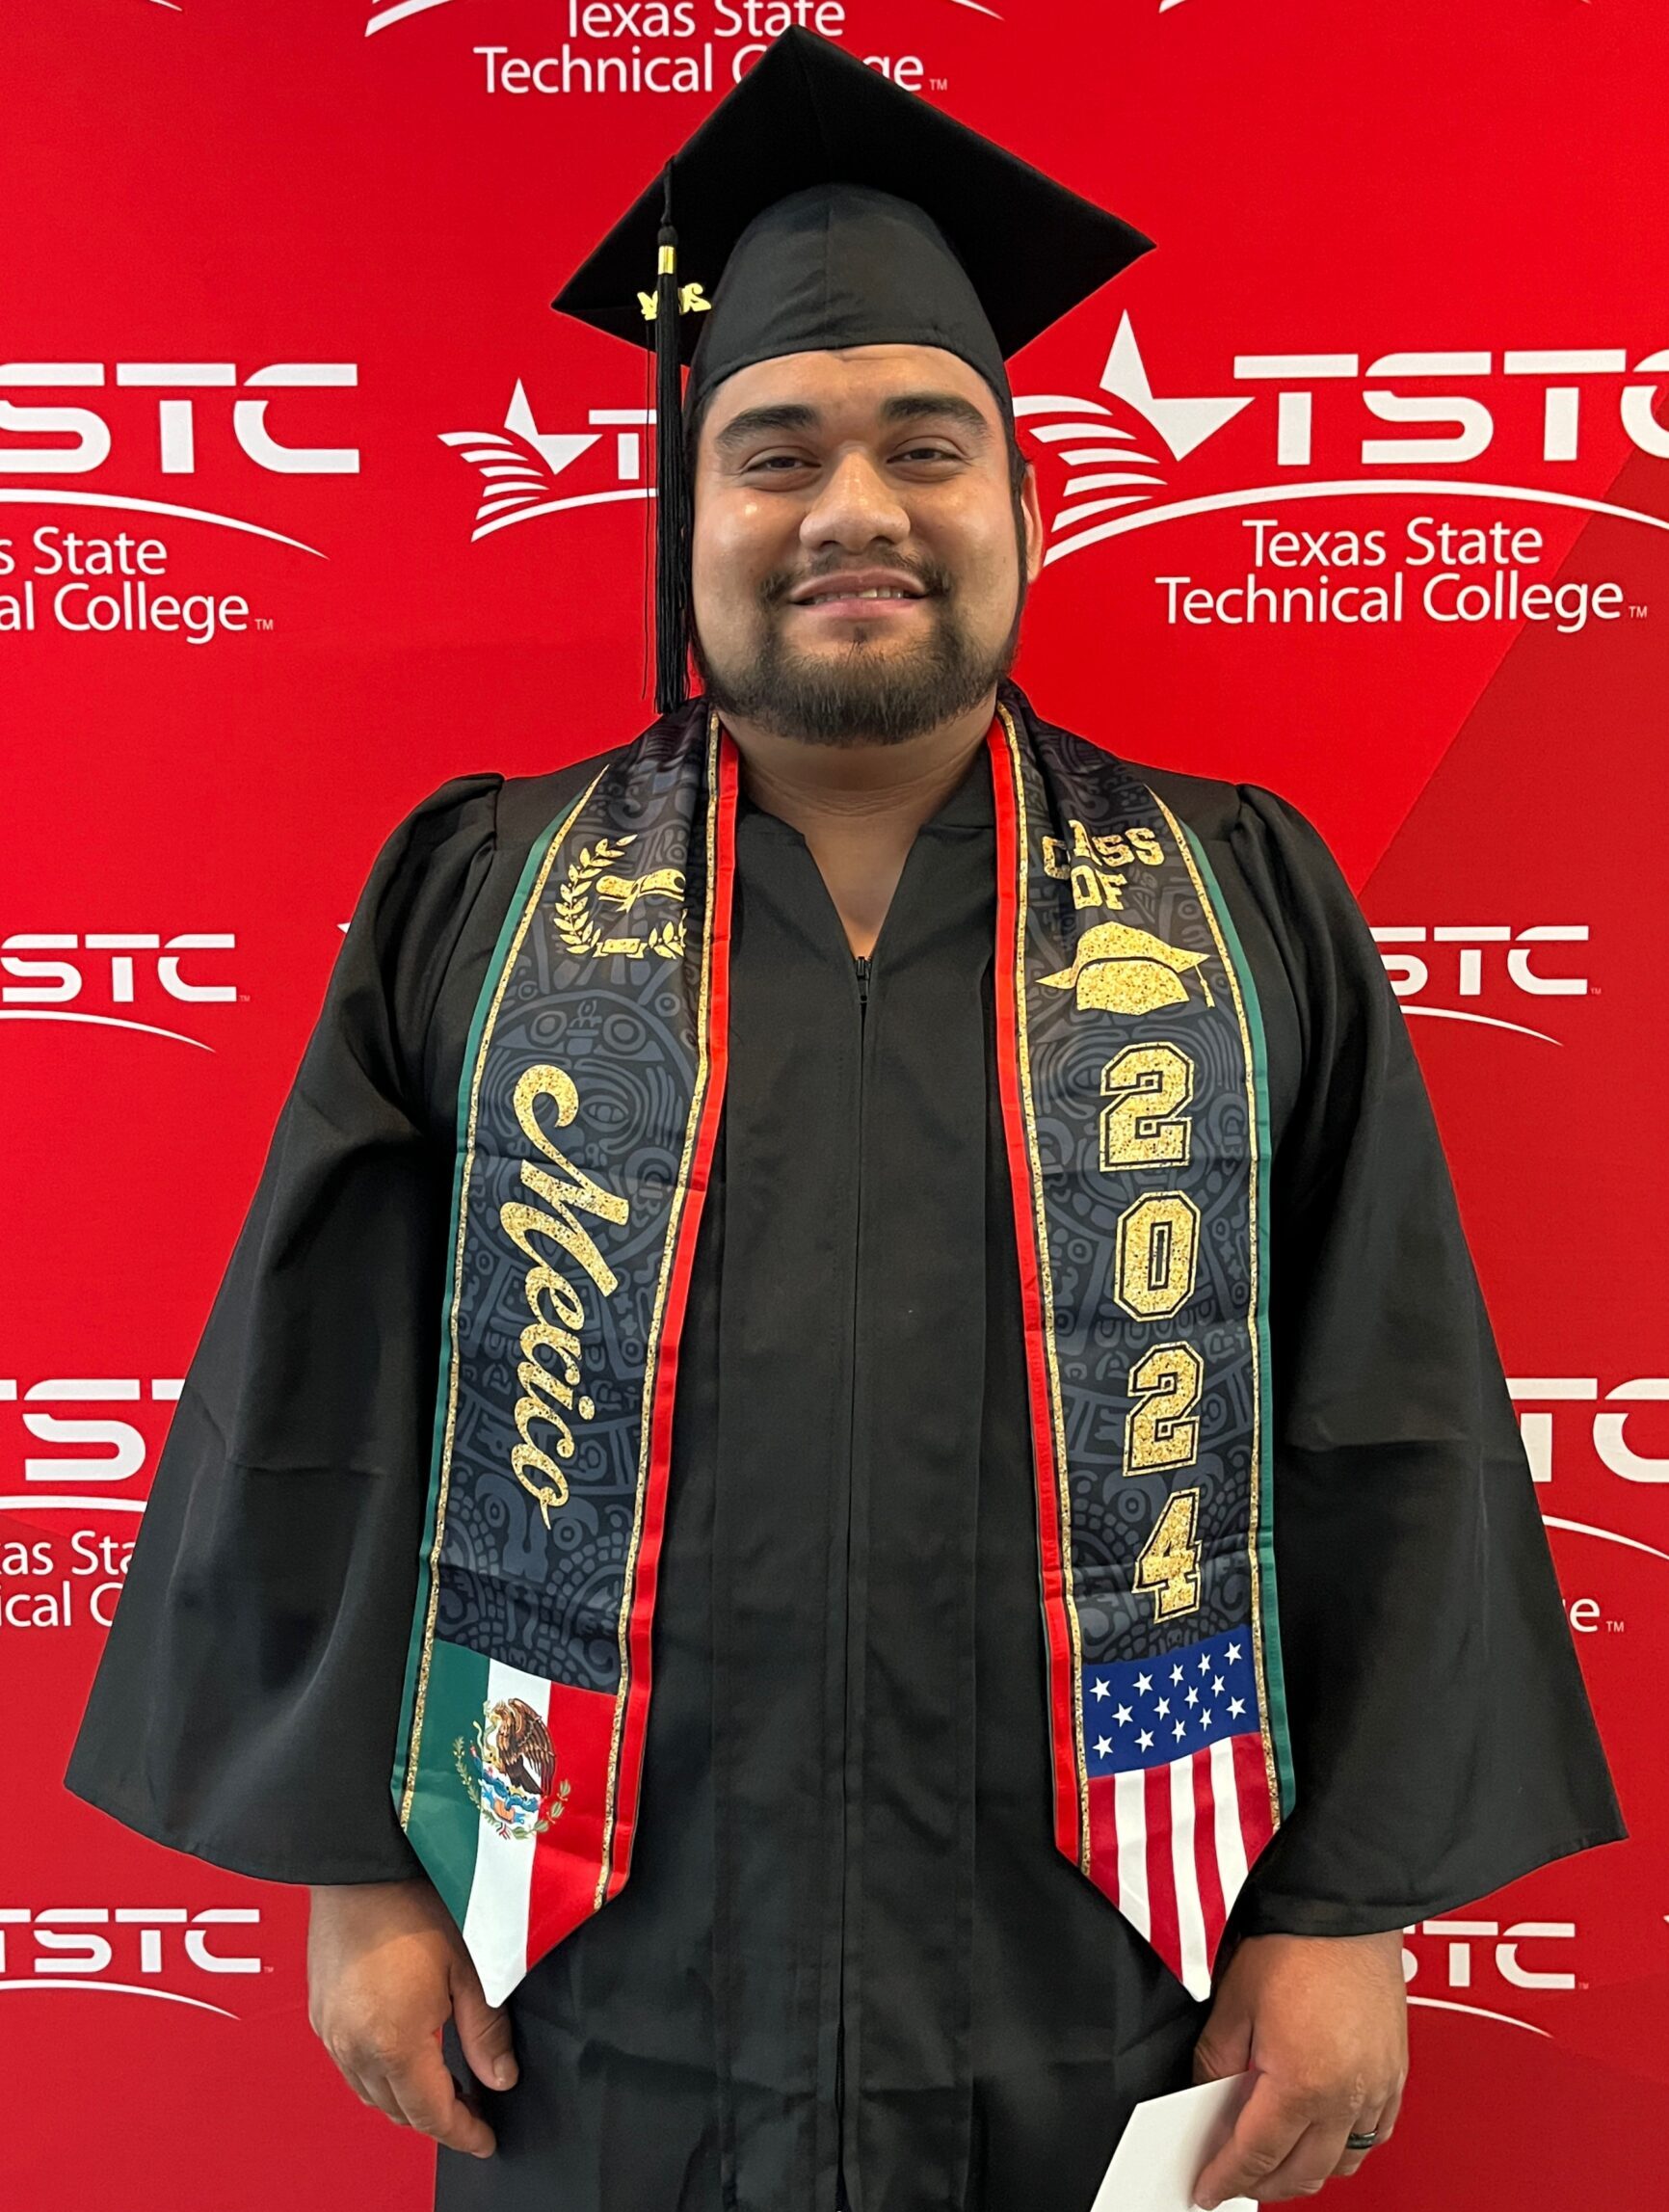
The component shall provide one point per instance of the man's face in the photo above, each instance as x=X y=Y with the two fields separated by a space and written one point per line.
x=883 y=465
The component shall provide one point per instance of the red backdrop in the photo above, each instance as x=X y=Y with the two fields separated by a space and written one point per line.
x=275 y=304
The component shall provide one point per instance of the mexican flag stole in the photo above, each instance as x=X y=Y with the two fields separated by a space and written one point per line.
x=1135 y=1109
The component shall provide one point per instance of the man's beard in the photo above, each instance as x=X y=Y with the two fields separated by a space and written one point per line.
x=862 y=695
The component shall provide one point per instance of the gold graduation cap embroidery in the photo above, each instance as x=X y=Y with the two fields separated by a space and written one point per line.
x=1126 y=970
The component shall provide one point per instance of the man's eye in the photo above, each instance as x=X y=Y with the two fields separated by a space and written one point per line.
x=778 y=463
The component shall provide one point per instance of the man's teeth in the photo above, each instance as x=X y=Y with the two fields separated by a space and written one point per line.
x=823 y=598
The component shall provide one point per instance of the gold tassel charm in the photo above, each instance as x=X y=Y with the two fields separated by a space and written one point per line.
x=690 y=302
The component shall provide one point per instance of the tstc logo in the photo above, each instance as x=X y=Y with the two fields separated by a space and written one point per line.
x=1455 y=960
x=1491 y=1963
x=1557 y=1414
x=87 y=974
x=97 y=1455
x=165 y=1952
x=1447 y=427
x=1550 y=1433
x=183 y=387
x=520 y=464
x=55 y=1574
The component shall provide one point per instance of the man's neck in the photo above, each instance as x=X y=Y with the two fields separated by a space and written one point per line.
x=859 y=807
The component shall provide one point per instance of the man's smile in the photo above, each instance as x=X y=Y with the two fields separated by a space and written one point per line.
x=863 y=604
x=860 y=591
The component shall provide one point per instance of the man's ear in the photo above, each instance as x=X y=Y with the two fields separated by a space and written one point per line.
x=1034 y=524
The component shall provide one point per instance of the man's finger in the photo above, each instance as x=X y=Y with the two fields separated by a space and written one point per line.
x=1348 y=2160
x=1269 y=2125
x=372 y=2089
x=483 y=2033
x=428 y=2097
x=1377 y=2124
x=1313 y=2160
x=1223 y=2048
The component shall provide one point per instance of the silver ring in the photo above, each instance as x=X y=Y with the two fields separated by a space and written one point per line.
x=1357 y=2142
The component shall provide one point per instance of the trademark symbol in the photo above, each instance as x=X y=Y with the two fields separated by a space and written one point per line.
x=1615 y=1627
x=939 y=84
x=263 y=621
x=1636 y=612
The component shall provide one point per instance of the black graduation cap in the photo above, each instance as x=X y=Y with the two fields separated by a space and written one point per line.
x=821 y=205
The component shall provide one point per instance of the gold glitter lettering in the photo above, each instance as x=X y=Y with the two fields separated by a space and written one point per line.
x=1162 y=1428
x=1145 y=1125
x=566 y=1194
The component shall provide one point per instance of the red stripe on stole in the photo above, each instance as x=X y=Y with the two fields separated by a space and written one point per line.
x=1063 y=1731
x=1165 y=1934
x=720 y=892
x=1213 y=1911
x=1251 y=1785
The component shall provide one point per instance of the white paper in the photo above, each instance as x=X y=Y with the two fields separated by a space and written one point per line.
x=1167 y=2145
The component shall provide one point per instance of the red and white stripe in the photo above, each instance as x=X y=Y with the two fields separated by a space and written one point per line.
x=1171 y=1847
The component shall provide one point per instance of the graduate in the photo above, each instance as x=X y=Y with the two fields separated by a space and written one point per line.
x=849 y=1498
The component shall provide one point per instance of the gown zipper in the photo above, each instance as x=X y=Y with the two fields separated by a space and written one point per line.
x=842 y=2202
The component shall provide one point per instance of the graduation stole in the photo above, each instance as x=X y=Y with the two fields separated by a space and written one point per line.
x=1134 y=1101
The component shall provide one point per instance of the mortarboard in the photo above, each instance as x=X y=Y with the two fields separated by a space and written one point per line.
x=820 y=205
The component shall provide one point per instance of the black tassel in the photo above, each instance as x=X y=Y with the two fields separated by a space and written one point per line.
x=672 y=503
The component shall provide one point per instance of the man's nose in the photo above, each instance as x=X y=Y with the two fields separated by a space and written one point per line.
x=854 y=506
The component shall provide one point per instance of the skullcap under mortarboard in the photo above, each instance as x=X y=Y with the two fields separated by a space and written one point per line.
x=819 y=205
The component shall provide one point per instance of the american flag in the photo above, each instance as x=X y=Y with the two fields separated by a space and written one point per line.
x=1178 y=1793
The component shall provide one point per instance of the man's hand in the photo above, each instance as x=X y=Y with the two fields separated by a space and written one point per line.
x=386 y=1968
x=1323 y=2022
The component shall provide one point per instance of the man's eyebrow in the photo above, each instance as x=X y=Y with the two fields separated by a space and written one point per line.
x=753 y=421
x=903 y=407
x=911 y=406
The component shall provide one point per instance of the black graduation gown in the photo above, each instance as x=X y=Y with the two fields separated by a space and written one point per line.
x=849 y=1956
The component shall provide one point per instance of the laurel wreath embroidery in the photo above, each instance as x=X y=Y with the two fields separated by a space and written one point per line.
x=573 y=913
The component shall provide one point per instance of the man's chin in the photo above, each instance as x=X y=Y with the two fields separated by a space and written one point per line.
x=836 y=713
x=869 y=694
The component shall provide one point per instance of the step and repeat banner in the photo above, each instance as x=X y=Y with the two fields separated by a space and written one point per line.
x=1357 y=486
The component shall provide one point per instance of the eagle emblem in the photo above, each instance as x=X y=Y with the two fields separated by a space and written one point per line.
x=593 y=885
x=509 y=1769
x=1126 y=970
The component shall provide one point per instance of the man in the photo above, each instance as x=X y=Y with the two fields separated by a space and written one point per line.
x=864 y=1206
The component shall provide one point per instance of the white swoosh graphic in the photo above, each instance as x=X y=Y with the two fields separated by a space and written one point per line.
x=22 y=496
x=1343 y=488
x=555 y=506
x=1478 y=2013
x=399 y=12
x=18 y=1502
x=1488 y=1022
x=1607 y=1535
x=101 y=1021
x=116 y=1989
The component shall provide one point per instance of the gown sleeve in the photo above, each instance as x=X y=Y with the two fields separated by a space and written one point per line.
x=245 y=1706
x=1442 y=1741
